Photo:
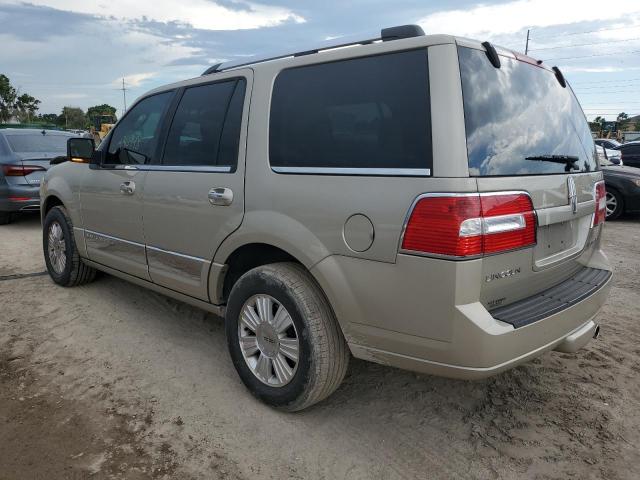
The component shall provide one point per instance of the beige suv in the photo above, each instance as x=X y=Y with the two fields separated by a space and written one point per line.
x=427 y=202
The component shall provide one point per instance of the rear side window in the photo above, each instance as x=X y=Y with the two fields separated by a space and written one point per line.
x=364 y=113
x=520 y=121
x=205 y=130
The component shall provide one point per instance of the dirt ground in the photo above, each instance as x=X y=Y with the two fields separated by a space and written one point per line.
x=110 y=380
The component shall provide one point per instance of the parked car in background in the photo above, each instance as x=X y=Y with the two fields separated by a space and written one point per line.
x=25 y=154
x=607 y=143
x=630 y=153
x=623 y=189
x=339 y=219
x=607 y=155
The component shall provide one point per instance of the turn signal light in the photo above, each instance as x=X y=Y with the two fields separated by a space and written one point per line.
x=600 y=196
x=470 y=225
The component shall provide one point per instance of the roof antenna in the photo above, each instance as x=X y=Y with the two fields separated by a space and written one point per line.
x=492 y=54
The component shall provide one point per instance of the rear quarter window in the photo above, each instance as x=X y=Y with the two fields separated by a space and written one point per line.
x=363 y=113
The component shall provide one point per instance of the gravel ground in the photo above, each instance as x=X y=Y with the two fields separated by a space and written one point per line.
x=110 y=380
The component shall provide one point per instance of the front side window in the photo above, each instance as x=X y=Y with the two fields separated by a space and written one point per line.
x=520 y=121
x=205 y=130
x=363 y=113
x=135 y=138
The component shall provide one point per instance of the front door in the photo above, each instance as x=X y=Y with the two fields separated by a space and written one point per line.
x=111 y=194
x=194 y=198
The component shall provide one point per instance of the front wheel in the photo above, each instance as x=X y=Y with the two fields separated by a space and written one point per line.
x=64 y=265
x=615 y=204
x=283 y=338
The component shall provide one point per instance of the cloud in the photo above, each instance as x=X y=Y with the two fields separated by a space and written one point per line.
x=69 y=96
x=514 y=16
x=134 y=80
x=201 y=14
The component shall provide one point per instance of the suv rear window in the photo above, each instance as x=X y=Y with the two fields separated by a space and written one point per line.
x=520 y=121
x=363 y=113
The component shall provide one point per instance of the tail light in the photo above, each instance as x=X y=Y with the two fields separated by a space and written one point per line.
x=470 y=225
x=21 y=170
x=600 y=196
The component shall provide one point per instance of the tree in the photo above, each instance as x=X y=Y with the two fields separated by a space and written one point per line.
x=98 y=110
x=72 y=117
x=48 y=118
x=15 y=104
x=8 y=97
x=26 y=107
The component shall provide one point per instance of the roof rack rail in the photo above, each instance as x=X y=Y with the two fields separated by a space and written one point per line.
x=385 y=35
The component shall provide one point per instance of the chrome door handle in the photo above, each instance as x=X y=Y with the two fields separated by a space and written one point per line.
x=128 y=188
x=220 y=196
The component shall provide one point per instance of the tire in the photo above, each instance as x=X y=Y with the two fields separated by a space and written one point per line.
x=323 y=355
x=614 y=200
x=5 y=218
x=72 y=271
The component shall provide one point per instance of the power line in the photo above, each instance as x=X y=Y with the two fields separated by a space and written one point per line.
x=595 y=55
x=584 y=44
x=588 y=31
x=607 y=81
x=635 y=87
x=603 y=93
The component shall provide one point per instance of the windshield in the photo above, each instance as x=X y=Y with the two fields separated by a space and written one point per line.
x=520 y=121
x=37 y=143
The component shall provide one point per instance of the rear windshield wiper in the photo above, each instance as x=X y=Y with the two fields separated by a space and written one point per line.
x=568 y=160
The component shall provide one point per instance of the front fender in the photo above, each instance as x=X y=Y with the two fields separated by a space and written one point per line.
x=63 y=181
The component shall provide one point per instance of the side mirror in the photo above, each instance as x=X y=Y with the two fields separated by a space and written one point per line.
x=80 y=150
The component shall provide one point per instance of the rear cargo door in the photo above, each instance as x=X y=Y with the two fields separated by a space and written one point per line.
x=526 y=132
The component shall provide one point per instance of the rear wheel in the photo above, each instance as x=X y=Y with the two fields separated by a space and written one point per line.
x=283 y=337
x=64 y=265
x=615 y=204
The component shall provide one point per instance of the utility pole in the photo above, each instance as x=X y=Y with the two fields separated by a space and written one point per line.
x=124 y=96
x=526 y=47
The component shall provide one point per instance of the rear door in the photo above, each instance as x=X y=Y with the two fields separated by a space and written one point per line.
x=194 y=196
x=525 y=132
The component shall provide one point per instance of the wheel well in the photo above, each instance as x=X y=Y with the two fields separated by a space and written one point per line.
x=251 y=256
x=49 y=203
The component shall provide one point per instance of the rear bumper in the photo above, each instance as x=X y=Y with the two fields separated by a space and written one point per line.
x=16 y=198
x=460 y=340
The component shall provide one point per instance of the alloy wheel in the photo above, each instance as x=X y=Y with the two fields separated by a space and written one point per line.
x=57 y=248
x=268 y=340
x=612 y=204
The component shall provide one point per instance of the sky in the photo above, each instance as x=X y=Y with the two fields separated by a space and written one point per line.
x=76 y=52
